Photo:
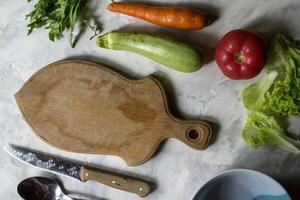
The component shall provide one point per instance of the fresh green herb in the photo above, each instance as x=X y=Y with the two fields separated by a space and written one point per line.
x=95 y=28
x=262 y=130
x=278 y=93
x=59 y=15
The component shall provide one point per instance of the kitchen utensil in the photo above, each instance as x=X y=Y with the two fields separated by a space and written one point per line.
x=83 y=107
x=243 y=184
x=41 y=188
x=79 y=171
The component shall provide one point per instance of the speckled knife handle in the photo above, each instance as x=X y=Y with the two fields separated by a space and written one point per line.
x=194 y=133
x=116 y=180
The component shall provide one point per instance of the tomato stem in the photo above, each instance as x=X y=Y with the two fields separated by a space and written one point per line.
x=239 y=57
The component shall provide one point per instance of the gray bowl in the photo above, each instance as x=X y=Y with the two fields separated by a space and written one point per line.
x=242 y=184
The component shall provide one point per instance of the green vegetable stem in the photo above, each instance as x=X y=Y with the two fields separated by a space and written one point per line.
x=57 y=16
x=171 y=53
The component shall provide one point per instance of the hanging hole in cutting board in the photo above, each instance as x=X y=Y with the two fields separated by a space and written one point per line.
x=193 y=134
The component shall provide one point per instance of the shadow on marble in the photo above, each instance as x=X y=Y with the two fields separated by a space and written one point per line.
x=282 y=166
x=170 y=92
x=285 y=123
x=292 y=186
x=83 y=26
x=215 y=128
x=267 y=28
x=208 y=54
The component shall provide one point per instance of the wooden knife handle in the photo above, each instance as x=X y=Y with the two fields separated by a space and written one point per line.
x=116 y=180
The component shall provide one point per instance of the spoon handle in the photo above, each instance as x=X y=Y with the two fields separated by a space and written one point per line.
x=116 y=180
x=66 y=197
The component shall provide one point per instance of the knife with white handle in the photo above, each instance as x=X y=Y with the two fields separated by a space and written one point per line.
x=79 y=171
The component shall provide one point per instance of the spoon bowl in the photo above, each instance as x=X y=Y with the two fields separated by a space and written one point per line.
x=41 y=188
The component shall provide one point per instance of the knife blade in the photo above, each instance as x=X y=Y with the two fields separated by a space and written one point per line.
x=78 y=171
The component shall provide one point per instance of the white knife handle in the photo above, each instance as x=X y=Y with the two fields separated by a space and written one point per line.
x=116 y=180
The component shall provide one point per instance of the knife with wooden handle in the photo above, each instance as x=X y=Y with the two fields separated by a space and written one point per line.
x=79 y=171
x=115 y=180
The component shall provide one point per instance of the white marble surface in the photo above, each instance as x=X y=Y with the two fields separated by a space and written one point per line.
x=177 y=169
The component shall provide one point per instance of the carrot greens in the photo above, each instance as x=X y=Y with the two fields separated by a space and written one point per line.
x=58 y=16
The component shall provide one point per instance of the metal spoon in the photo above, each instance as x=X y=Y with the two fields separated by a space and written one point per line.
x=41 y=188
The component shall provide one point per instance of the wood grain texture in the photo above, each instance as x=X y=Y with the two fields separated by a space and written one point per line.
x=115 y=180
x=83 y=107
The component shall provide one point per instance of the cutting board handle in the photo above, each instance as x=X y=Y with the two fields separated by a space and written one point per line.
x=194 y=133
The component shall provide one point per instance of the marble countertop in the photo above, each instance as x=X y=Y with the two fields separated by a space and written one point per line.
x=178 y=170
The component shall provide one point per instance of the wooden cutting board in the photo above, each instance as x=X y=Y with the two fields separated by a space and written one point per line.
x=83 y=107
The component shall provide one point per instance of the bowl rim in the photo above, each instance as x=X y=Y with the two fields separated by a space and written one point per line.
x=239 y=170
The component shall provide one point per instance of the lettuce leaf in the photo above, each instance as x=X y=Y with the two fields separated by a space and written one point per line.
x=254 y=96
x=278 y=93
x=263 y=130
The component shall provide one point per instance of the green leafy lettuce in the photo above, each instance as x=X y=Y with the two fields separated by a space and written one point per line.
x=278 y=93
x=263 y=130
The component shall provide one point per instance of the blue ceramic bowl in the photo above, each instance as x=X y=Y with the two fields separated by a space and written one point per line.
x=242 y=184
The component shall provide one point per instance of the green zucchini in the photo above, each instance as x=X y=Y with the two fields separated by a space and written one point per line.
x=171 y=53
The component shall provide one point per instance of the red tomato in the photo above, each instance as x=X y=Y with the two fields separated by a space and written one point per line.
x=240 y=54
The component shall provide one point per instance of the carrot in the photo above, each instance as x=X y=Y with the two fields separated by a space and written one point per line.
x=181 y=18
